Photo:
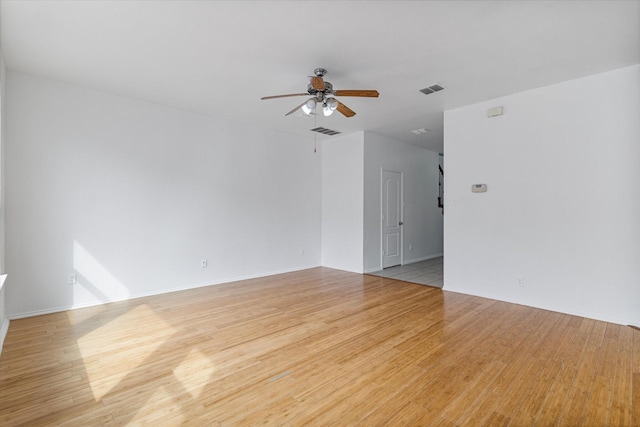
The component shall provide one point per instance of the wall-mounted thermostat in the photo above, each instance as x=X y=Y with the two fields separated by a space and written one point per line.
x=479 y=188
x=495 y=111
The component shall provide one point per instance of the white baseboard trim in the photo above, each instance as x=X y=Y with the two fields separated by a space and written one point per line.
x=4 y=322
x=4 y=328
x=411 y=261
x=160 y=292
x=424 y=258
x=548 y=307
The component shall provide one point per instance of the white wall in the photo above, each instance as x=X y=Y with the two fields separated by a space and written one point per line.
x=562 y=211
x=342 y=202
x=422 y=218
x=131 y=195
x=4 y=321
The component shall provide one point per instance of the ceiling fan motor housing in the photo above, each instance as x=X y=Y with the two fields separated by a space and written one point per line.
x=328 y=90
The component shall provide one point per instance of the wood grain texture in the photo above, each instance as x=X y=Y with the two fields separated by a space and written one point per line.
x=318 y=347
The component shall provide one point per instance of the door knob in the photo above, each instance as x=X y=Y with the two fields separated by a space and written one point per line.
x=400 y=223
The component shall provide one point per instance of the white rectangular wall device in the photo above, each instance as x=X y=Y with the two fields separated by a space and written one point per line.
x=479 y=188
x=495 y=111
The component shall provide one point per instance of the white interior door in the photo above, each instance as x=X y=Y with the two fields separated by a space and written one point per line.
x=391 y=218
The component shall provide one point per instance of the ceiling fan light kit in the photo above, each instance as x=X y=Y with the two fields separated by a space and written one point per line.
x=309 y=106
x=329 y=106
x=322 y=93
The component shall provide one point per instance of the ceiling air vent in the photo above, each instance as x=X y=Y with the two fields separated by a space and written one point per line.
x=431 y=89
x=325 y=131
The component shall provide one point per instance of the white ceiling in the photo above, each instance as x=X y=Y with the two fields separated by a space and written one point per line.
x=219 y=58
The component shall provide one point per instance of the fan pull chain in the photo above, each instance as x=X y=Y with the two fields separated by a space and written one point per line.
x=315 y=134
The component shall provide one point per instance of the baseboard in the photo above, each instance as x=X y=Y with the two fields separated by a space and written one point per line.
x=4 y=322
x=161 y=292
x=411 y=261
x=548 y=307
x=424 y=258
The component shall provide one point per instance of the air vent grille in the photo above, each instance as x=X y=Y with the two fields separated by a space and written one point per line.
x=431 y=89
x=325 y=131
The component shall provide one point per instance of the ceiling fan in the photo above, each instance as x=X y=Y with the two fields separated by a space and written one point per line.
x=322 y=93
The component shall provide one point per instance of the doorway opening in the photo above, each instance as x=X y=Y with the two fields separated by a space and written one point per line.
x=397 y=261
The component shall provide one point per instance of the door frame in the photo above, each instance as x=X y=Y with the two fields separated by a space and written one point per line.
x=382 y=171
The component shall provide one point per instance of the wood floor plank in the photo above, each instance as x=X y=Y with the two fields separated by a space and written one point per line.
x=554 y=401
x=318 y=347
x=473 y=393
x=532 y=400
x=496 y=420
x=635 y=403
x=575 y=407
x=599 y=404
x=589 y=362
x=481 y=409
x=635 y=357
x=573 y=355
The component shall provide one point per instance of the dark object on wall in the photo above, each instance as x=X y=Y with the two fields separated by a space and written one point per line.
x=441 y=189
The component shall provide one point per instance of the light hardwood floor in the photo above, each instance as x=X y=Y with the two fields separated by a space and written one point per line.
x=318 y=347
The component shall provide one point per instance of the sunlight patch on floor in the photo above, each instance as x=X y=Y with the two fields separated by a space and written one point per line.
x=161 y=408
x=194 y=372
x=79 y=316
x=108 y=353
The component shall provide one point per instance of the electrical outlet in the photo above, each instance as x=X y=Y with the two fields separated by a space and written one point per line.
x=520 y=282
x=301 y=252
x=410 y=246
x=72 y=279
x=203 y=263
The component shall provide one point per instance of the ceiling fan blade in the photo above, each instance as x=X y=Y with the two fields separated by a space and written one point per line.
x=346 y=111
x=285 y=96
x=296 y=109
x=317 y=83
x=366 y=93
